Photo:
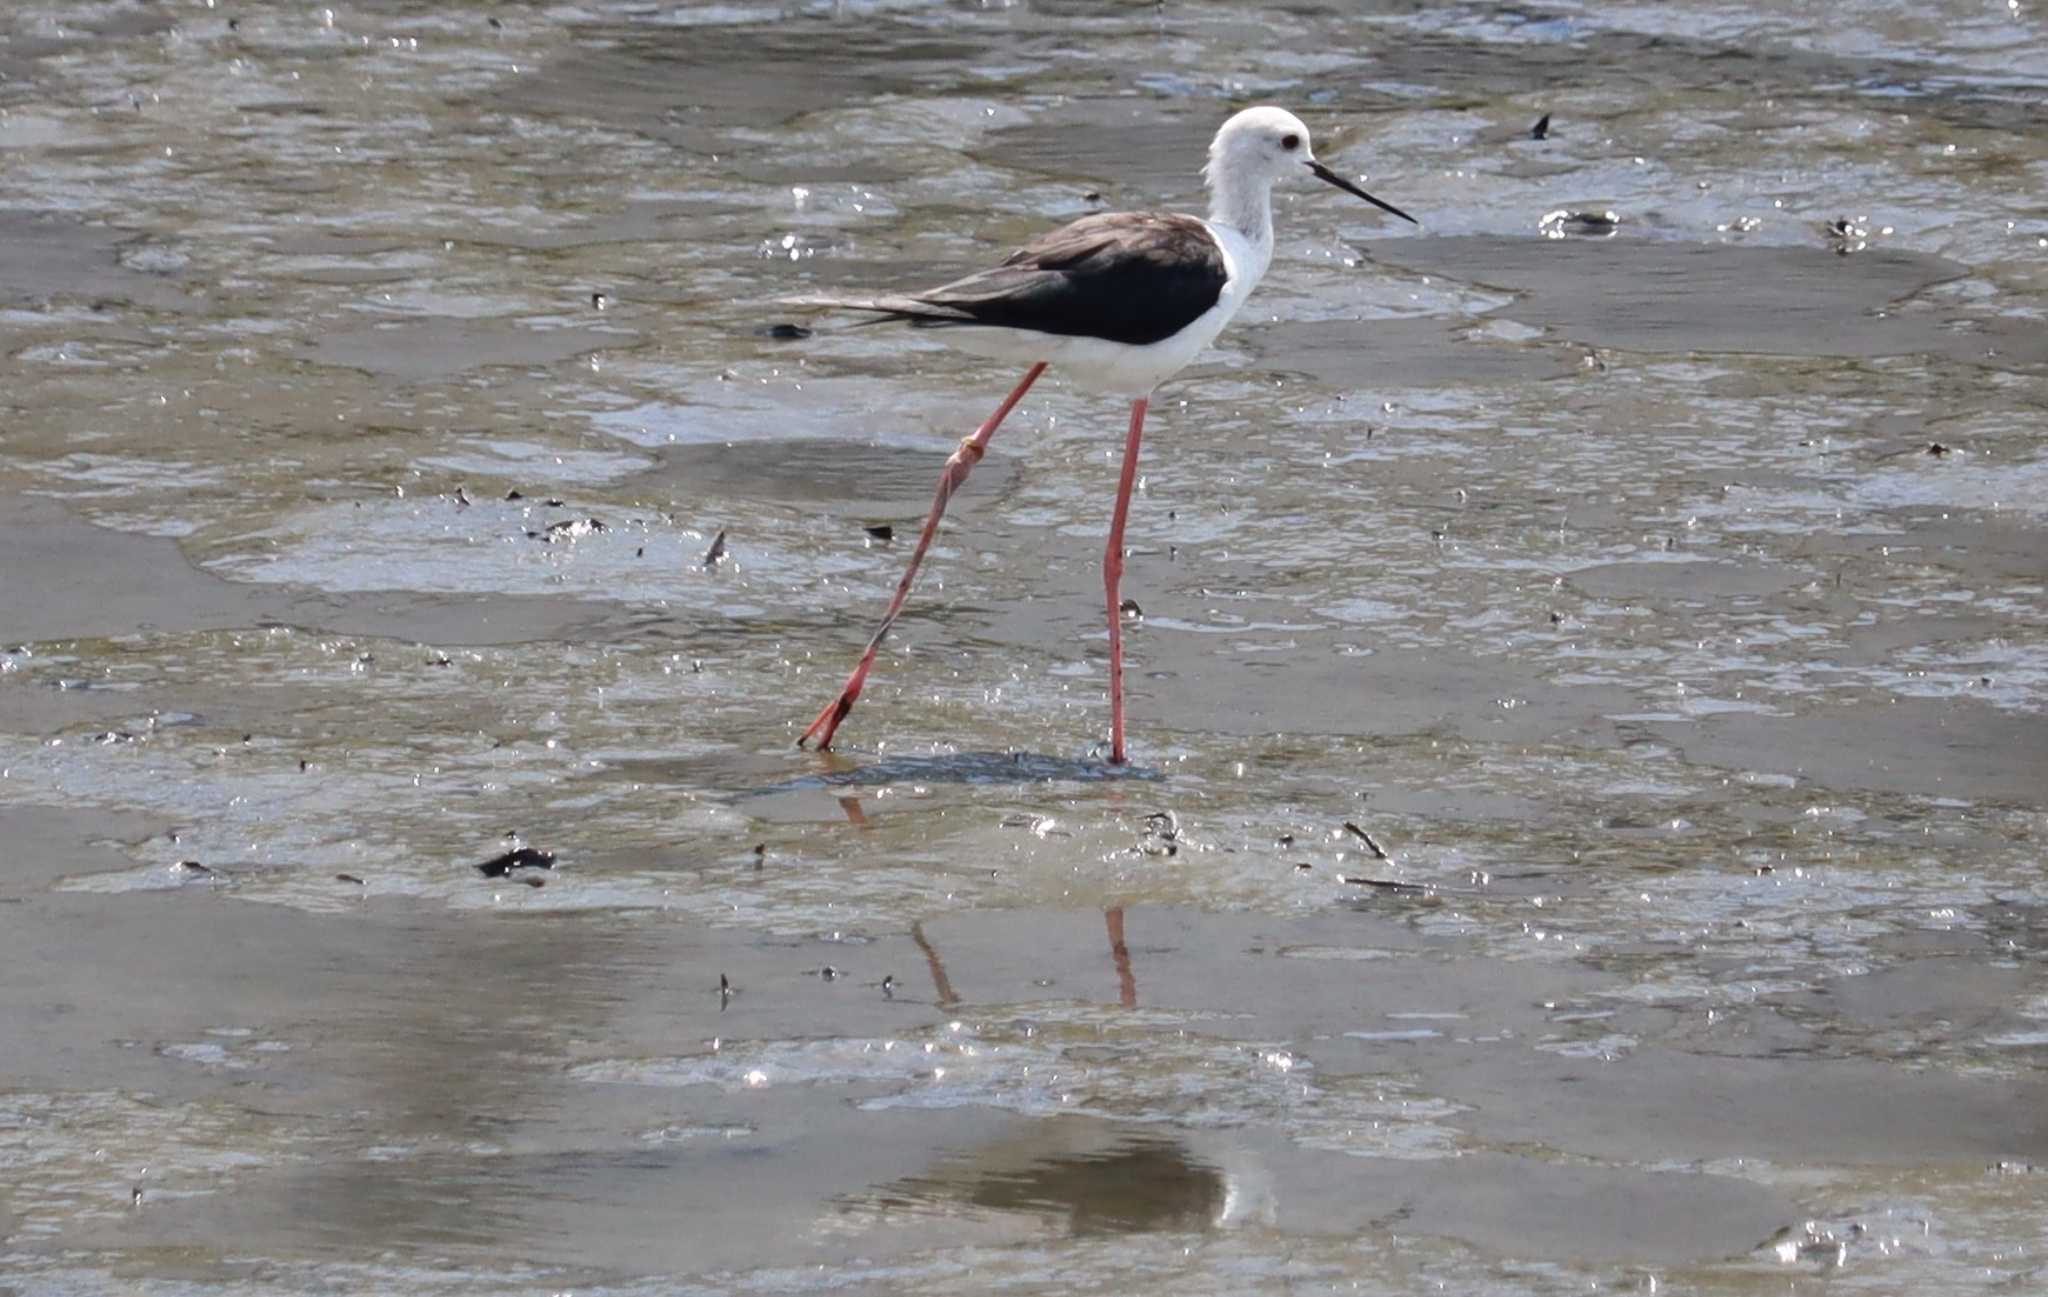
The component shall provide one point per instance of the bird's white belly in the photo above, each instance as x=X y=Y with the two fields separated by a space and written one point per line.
x=1096 y=365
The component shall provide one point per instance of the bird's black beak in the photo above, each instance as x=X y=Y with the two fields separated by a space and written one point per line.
x=1324 y=173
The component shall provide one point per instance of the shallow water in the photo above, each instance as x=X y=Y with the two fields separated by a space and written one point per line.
x=1668 y=602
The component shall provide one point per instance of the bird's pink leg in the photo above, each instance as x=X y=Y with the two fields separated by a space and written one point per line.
x=958 y=466
x=1112 y=574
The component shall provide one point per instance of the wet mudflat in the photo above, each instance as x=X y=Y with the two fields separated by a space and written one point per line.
x=1667 y=601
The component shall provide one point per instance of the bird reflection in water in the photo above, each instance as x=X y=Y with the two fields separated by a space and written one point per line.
x=1119 y=956
x=1076 y=1176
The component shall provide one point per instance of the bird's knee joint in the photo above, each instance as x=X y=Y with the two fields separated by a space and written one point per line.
x=970 y=452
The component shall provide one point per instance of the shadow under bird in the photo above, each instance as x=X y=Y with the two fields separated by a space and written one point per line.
x=1120 y=301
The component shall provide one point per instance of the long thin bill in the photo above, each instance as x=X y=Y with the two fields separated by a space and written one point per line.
x=1324 y=173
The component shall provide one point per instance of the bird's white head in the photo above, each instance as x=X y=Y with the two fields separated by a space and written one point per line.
x=1255 y=148
x=1258 y=145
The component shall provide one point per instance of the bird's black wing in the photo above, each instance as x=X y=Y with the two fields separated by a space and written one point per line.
x=1131 y=277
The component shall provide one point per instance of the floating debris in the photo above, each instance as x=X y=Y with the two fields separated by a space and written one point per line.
x=829 y=973
x=881 y=531
x=1541 y=130
x=1564 y=222
x=1378 y=852
x=1041 y=826
x=193 y=866
x=783 y=332
x=569 y=529
x=1851 y=233
x=531 y=881
x=1162 y=831
x=517 y=858
x=440 y=660
x=1937 y=450
x=350 y=878
x=717 y=550
x=515 y=494
x=1815 y=1242
x=1387 y=885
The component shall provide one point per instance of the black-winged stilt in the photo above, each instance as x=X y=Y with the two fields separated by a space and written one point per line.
x=1121 y=301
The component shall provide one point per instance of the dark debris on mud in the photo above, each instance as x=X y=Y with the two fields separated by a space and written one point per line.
x=502 y=865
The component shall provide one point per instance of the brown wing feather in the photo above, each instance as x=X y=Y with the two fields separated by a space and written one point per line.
x=1131 y=277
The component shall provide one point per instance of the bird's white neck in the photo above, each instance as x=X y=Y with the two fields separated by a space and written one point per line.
x=1246 y=206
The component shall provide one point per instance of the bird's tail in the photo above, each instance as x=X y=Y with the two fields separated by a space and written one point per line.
x=886 y=309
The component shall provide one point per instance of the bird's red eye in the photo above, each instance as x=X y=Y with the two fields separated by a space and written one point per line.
x=1290 y=142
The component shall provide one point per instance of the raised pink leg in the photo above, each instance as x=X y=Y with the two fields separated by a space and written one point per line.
x=1112 y=574
x=958 y=466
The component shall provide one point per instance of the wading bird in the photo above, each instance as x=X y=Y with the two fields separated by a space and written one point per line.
x=1120 y=301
